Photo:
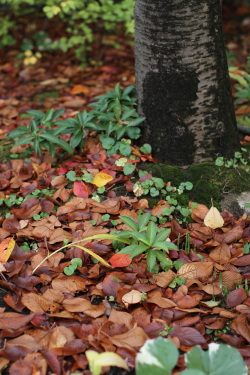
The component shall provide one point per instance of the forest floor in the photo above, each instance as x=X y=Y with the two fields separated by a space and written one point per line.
x=48 y=318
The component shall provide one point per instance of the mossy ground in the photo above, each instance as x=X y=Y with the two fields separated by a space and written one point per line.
x=209 y=181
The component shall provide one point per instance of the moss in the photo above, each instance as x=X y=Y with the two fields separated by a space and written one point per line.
x=209 y=181
x=5 y=149
x=47 y=94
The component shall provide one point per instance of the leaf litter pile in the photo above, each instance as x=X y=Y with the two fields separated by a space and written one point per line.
x=51 y=319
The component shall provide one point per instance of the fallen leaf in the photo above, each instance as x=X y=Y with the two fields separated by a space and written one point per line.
x=120 y=260
x=162 y=279
x=132 y=297
x=11 y=320
x=134 y=338
x=101 y=179
x=213 y=218
x=80 y=189
x=236 y=297
x=6 y=248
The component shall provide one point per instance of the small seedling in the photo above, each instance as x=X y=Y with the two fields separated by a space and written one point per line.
x=74 y=264
x=166 y=330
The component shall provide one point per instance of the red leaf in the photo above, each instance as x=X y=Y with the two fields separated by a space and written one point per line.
x=52 y=360
x=80 y=189
x=62 y=170
x=120 y=260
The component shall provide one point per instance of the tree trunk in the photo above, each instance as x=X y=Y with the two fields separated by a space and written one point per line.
x=182 y=81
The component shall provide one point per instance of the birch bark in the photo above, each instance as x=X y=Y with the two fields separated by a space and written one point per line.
x=182 y=80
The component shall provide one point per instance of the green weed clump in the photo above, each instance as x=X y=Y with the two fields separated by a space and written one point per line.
x=113 y=117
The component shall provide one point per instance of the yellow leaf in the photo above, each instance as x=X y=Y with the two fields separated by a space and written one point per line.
x=101 y=179
x=6 y=248
x=97 y=360
x=111 y=359
x=94 y=255
x=213 y=219
x=30 y=60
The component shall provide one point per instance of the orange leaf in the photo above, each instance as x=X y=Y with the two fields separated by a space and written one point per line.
x=120 y=260
x=101 y=179
x=6 y=248
x=78 y=89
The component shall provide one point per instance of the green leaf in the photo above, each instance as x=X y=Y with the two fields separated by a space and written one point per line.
x=57 y=114
x=162 y=235
x=17 y=132
x=128 y=113
x=133 y=250
x=69 y=270
x=159 y=183
x=125 y=149
x=128 y=90
x=193 y=372
x=143 y=220
x=107 y=142
x=146 y=148
x=35 y=113
x=128 y=168
x=142 y=237
x=77 y=262
x=118 y=90
x=59 y=142
x=133 y=133
x=151 y=232
x=166 y=245
x=48 y=116
x=151 y=260
x=65 y=123
x=137 y=121
x=218 y=360
x=25 y=140
x=129 y=222
x=166 y=263
x=157 y=357
x=76 y=138
x=71 y=175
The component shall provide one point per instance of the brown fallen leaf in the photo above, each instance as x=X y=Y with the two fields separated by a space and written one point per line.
x=39 y=304
x=162 y=279
x=60 y=336
x=84 y=306
x=221 y=253
x=134 y=338
x=156 y=298
x=11 y=320
x=68 y=285
x=236 y=297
